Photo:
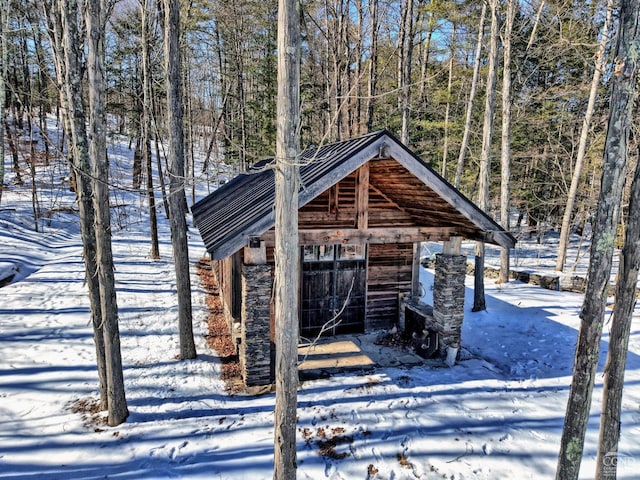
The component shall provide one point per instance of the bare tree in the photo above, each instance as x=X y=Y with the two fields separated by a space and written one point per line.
x=472 y=95
x=505 y=151
x=62 y=16
x=603 y=243
x=614 y=370
x=287 y=255
x=4 y=14
x=145 y=12
x=445 y=140
x=96 y=20
x=405 y=54
x=622 y=103
x=485 y=155
x=176 y=197
x=372 y=74
x=600 y=62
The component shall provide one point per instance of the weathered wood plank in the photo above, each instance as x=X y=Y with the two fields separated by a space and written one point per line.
x=351 y=236
x=362 y=197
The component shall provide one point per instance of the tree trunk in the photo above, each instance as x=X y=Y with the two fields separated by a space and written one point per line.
x=445 y=141
x=4 y=14
x=619 y=339
x=13 y=147
x=176 y=177
x=405 y=48
x=146 y=126
x=505 y=151
x=426 y=49
x=356 y=126
x=34 y=185
x=117 y=403
x=472 y=95
x=600 y=62
x=287 y=254
x=63 y=17
x=532 y=37
x=157 y=142
x=485 y=155
x=373 y=62
x=602 y=247
x=623 y=99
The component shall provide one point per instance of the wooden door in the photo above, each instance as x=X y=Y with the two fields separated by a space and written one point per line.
x=333 y=290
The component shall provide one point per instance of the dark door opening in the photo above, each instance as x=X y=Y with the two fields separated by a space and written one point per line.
x=333 y=290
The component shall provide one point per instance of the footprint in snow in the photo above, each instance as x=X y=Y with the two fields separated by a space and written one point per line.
x=329 y=470
x=487 y=449
x=155 y=450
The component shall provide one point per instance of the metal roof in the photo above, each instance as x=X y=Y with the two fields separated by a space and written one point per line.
x=244 y=207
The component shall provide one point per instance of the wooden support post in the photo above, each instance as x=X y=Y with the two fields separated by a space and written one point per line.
x=362 y=197
x=453 y=246
x=416 y=291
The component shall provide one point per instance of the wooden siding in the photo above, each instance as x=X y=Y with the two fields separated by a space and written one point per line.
x=336 y=208
x=389 y=274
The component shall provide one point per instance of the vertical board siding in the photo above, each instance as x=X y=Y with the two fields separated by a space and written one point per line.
x=390 y=272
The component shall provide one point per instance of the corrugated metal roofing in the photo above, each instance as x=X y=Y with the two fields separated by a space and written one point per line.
x=244 y=206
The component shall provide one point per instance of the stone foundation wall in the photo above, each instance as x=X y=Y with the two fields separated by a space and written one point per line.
x=255 y=346
x=448 y=299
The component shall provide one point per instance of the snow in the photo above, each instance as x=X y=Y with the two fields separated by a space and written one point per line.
x=496 y=414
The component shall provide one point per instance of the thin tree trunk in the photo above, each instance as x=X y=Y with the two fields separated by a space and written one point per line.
x=405 y=39
x=485 y=155
x=13 y=147
x=535 y=25
x=4 y=14
x=287 y=255
x=157 y=142
x=145 y=13
x=34 y=185
x=624 y=97
x=600 y=62
x=357 y=128
x=117 y=403
x=426 y=50
x=505 y=152
x=373 y=63
x=176 y=177
x=472 y=95
x=603 y=243
x=445 y=141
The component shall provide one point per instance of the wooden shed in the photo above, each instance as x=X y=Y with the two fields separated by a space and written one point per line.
x=365 y=205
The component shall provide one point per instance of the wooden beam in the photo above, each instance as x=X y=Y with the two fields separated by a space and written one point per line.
x=334 y=198
x=362 y=197
x=385 y=196
x=353 y=236
x=494 y=233
x=415 y=271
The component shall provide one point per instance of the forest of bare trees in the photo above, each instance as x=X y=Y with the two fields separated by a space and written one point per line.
x=407 y=66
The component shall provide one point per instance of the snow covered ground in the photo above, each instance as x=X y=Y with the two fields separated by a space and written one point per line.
x=496 y=415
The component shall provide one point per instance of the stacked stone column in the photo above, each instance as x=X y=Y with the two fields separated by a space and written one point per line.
x=255 y=347
x=448 y=299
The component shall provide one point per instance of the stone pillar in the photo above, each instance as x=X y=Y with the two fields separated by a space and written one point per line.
x=255 y=346
x=448 y=299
